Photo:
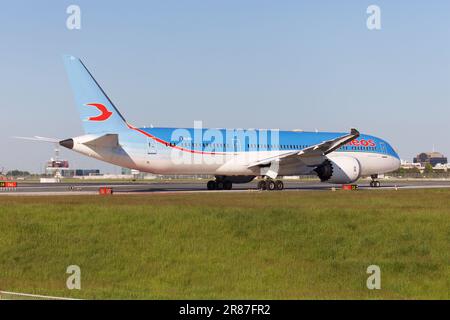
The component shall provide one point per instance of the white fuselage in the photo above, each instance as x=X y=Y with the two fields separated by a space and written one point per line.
x=166 y=160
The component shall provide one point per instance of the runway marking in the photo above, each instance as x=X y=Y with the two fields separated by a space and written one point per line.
x=57 y=193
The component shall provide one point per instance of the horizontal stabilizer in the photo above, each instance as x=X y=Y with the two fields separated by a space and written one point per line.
x=110 y=140
x=37 y=138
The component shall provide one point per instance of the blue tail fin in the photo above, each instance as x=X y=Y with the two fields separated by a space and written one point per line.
x=98 y=114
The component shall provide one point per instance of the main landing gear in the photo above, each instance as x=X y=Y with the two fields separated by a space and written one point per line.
x=375 y=183
x=267 y=184
x=219 y=185
x=270 y=185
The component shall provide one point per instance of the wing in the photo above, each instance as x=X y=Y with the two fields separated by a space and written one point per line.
x=310 y=156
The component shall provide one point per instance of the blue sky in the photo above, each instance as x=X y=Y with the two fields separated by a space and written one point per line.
x=270 y=64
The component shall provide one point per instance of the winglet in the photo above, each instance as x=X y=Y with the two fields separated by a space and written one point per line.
x=354 y=132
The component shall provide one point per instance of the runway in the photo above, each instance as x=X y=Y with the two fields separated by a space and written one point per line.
x=86 y=188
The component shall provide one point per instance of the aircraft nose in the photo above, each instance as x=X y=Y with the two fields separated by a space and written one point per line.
x=397 y=163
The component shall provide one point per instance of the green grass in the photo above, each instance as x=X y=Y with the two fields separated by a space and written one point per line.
x=269 y=245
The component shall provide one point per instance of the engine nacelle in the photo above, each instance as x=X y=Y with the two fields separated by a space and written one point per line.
x=339 y=170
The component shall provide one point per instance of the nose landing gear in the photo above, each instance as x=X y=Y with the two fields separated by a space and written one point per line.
x=375 y=183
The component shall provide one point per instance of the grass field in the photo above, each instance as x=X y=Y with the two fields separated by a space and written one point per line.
x=269 y=245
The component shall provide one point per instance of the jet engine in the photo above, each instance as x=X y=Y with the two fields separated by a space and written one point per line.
x=339 y=170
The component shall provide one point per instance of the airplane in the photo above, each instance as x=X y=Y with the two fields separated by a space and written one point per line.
x=230 y=155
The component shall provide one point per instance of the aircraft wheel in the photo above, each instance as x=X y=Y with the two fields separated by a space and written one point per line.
x=262 y=185
x=279 y=185
x=375 y=184
x=219 y=185
x=227 y=185
x=211 y=185
x=270 y=185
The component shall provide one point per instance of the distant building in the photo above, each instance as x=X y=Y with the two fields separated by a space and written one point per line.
x=432 y=158
x=67 y=173
x=410 y=165
x=442 y=167
x=52 y=164
x=125 y=171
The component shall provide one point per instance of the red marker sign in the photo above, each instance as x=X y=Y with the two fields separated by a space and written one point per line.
x=8 y=185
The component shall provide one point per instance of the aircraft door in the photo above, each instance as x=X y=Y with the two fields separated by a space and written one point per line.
x=383 y=147
x=236 y=145
x=151 y=146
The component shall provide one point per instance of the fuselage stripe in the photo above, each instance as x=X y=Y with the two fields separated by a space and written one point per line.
x=167 y=144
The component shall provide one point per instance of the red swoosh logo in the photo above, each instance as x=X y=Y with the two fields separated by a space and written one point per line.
x=105 y=113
